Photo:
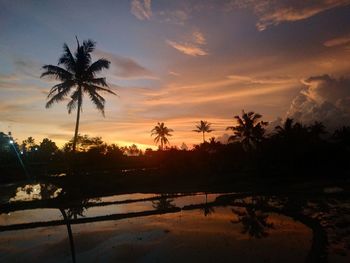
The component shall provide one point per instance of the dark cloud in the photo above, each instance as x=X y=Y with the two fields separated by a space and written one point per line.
x=124 y=67
x=325 y=99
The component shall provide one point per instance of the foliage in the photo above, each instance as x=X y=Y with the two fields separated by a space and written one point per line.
x=77 y=77
x=161 y=132
x=249 y=131
x=203 y=127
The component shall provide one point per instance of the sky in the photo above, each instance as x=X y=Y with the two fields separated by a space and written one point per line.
x=177 y=62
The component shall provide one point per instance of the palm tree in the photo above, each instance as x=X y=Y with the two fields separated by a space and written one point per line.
x=286 y=129
x=203 y=127
x=317 y=129
x=295 y=132
x=161 y=132
x=78 y=76
x=249 y=130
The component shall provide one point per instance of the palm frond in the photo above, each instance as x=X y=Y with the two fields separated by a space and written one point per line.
x=89 y=45
x=61 y=86
x=98 y=66
x=67 y=59
x=57 y=97
x=76 y=96
x=98 y=101
x=72 y=105
x=56 y=72
x=97 y=88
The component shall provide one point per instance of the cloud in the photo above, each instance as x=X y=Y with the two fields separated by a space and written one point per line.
x=339 y=41
x=141 y=9
x=173 y=73
x=199 y=38
x=272 y=12
x=177 y=17
x=187 y=48
x=325 y=99
x=193 y=46
x=219 y=91
x=123 y=67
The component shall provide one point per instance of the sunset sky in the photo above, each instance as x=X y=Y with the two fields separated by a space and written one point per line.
x=177 y=62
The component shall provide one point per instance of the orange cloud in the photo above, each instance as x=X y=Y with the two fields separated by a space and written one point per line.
x=187 y=48
x=339 y=41
x=141 y=9
x=272 y=12
x=199 y=38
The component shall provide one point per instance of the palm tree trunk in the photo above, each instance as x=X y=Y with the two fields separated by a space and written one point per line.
x=161 y=145
x=70 y=235
x=203 y=138
x=77 y=123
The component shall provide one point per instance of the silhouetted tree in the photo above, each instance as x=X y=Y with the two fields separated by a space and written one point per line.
x=29 y=144
x=249 y=131
x=161 y=132
x=203 y=127
x=293 y=132
x=47 y=146
x=317 y=129
x=79 y=73
x=84 y=143
x=342 y=136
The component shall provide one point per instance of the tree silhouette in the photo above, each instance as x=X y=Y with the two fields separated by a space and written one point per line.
x=78 y=76
x=286 y=129
x=163 y=203
x=203 y=127
x=249 y=130
x=161 y=132
x=48 y=147
x=316 y=130
x=295 y=133
x=29 y=144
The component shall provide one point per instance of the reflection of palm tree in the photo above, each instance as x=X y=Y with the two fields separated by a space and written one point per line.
x=163 y=203
x=207 y=209
x=70 y=234
x=77 y=209
x=80 y=73
x=161 y=132
x=203 y=127
x=73 y=212
x=249 y=130
x=254 y=222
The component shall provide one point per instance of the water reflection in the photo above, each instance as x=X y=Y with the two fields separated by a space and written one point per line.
x=186 y=236
x=163 y=203
x=255 y=223
x=77 y=209
x=207 y=209
x=39 y=191
x=254 y=216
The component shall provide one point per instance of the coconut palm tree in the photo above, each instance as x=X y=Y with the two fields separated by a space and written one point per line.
x=295 y=133
x=161 y=132
x=203 y=127
x=78 y=77
x=249 y=130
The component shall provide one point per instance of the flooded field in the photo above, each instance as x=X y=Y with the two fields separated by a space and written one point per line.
x=196 y=227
